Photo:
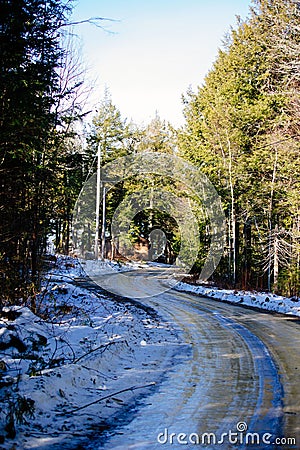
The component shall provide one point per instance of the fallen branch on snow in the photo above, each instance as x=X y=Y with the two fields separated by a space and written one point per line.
x=132 y=388
x=101 y=347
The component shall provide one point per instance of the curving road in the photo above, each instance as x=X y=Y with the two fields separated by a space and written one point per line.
x=241 y=371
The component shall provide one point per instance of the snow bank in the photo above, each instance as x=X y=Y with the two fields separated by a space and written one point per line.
x=264 y=301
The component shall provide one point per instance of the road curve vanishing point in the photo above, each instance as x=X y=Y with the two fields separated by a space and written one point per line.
x=242 y=371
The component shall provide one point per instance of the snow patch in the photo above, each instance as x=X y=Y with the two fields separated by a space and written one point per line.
x=264 y=301
x=82 y=360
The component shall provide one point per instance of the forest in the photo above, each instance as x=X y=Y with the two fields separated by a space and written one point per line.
x=241 y=130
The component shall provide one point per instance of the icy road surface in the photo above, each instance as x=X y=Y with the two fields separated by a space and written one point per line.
x=242 y=371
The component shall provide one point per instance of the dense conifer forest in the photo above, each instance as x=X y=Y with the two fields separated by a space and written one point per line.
x=241 y=130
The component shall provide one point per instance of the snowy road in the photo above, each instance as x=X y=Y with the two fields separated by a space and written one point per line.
x=243 y=368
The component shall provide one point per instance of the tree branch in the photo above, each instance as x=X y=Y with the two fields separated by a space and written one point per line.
x=103 y=347
x=132 y=388
x=92 y=21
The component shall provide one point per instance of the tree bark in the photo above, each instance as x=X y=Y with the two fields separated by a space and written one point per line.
x=276 y=261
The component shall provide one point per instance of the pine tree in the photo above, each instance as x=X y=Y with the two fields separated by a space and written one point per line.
x=239 y=128
x=30 y=55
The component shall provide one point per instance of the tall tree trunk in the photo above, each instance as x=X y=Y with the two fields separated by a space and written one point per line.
x=297 y=282
x=271 y=216
x=233 y=213
x=276 y=261
x=247 y=255
x=103 y=246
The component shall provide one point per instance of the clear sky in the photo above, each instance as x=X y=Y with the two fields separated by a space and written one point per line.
x=158 y=49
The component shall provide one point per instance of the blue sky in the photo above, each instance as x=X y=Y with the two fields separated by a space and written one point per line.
x=156 y=51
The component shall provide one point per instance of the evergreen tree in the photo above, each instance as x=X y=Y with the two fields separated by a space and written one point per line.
x=237 y=131
x=30 y=57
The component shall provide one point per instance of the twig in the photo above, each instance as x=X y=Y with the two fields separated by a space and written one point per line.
x=132 y=388
x=69 y=345
x=97 y=348
x=53 y=354
x=99 y=372
x=92 y=21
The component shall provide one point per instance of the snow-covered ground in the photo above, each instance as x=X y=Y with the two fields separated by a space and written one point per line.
x=84 y=359
x=264 y=301
x=88 y=357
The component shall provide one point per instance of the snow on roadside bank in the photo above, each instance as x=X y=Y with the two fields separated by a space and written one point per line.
x=84 y=348
x=264 y=301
